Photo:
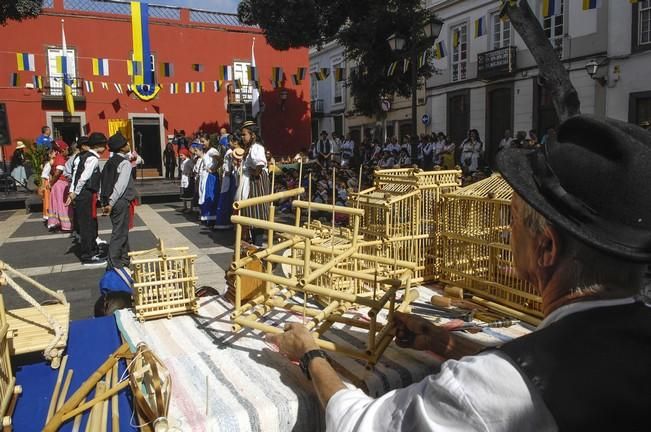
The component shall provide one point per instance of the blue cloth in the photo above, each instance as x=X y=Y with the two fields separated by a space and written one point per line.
x=90 y=342
x=225 y=203
x=209 y=206
x=224 y=141
x=116 y=280
x=44 y=141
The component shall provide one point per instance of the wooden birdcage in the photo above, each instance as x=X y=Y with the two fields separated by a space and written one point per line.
x=401 y=210
x=474 y=246
x=164 y=282
x=9 y=391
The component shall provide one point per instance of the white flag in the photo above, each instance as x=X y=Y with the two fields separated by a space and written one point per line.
x=255 y=93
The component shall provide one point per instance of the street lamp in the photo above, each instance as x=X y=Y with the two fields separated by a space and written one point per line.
x=432 y=29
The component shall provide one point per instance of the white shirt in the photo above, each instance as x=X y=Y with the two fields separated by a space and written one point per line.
x=47 y=169
x=89 y=166
x=485 y=392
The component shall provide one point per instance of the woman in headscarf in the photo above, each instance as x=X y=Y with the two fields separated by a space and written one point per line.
x=228 y=185
x=255 y=177
x=59 y=216
x=18 y=164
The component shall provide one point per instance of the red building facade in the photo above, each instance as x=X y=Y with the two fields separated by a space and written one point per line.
x=181 y=37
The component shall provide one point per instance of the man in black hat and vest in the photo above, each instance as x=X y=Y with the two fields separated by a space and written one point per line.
x=117 y=193
x=83 y=195
x=584 y=242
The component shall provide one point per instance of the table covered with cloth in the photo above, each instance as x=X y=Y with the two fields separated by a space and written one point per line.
x=223 y=381
x=90 y=342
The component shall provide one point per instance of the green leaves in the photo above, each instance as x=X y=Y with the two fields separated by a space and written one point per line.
x=19 y=10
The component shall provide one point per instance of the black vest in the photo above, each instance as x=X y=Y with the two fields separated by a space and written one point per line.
x=592 y=368
x=94 y=181
x=110 y=176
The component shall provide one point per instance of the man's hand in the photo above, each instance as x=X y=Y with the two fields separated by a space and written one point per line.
x=71 y=198
x=295 y=342
x=107 y=210
x=413 y=331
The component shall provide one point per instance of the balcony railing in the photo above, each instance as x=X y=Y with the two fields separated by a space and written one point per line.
x=497 y=63
x=53 y=87
x=241 y=95
x=316 y=106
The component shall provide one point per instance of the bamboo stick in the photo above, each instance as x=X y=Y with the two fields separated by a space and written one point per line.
x=257 y=223
x=105 y=404
x=64 y=392
x=328 y=208
x=325 y=313
x=95 y=421
x=86 y=387
x=262 y=254
x=96 y=400
x=253 y=302
x=77 y=423
x=239 y=205
x=55 y=392
x=325 y=267
x=115 y=409
x=506 y=310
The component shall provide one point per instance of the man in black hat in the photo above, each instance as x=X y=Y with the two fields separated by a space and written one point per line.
x=83 y=195
x=584 y=242
x=118 y=192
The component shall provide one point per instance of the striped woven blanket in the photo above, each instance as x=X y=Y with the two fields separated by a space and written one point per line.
x=237 y=382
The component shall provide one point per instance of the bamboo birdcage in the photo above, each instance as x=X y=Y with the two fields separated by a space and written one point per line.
x=401 y=210
x=164 y=282
x=474 y=244
x=9 y=391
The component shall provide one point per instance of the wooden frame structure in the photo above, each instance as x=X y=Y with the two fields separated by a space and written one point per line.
x=326 y=264
x=401 y=208
x=9 y=391
x=164 y=282
x=40 y=327
x=474 y=242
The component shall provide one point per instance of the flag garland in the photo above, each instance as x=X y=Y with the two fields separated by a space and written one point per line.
x=301 y=71
x=277 y=74
x=439 y=50
x=392 y=68
x=455 y=38
x=226 y=73
x=480 y=27
x=118 y=88
x=551 y=7
x=14 y=81
x=25 y=62
x=166 y=69
x=218 y=84
x=134 y=68
x=197 y=67
x=90 y=87
x=38 y=82
x=295 y=79
x=422 y=60
x=100 y=67
x=252 y=73
x=590 y=4
x=174 y=88
x=339 y=74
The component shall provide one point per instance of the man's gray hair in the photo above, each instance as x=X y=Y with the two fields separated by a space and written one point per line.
x=594 y=271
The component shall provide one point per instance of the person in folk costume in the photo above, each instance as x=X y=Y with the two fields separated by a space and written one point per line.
x=187 y=179
x=197 y=158
x=209 y=182
x=72 y=166
x=17 y=166
x=228 y=185
x=471 y=151
x=116 y=197
x=169 y=160
x=44 y=188
x=255 y=177
x=59 y=216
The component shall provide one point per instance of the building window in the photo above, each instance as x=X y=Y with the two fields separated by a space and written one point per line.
x=338 y=93
x=240 y=72
x=338 y=125
x=314 y=84
x=553 y=26
x=459 y=52
x=55 y=78
x=501 y=32
x=644 y=23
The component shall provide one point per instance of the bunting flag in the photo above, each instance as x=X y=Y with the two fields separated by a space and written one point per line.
x=320 y=75
x=392 y=68
x=633 y=1
x=118 y=88
x=174 y=88
x=226 y=73
x=218 y=85
x=277 y=74
x=551 y=7
x=422 y=60
x=59 y=64
x=166 y=69
x=252 y=73
x=100 y=67
x=480 y=27
x=301 y=71
x=590 y=4
x=405 y=65
x=25 y=62
x=38 y=82
x=238 y=84
x=295 y=79
x=455 y=38
x=325 y=72
x=104 y=85
x=339 y=74
x=143 y=78
x=197 y=67
x=134 y=69
x=129 y=88
x=190 y=87
x=439 y=50
x=13 y=80
x=275 y=84
x=255 y=93
x=90 y=87
x=201 y=87
x=67 y=83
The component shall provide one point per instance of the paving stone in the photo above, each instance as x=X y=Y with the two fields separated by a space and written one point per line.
x=4 y=215
x=206 y=238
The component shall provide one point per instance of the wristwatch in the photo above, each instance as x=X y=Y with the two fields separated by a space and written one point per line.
x=304 y=363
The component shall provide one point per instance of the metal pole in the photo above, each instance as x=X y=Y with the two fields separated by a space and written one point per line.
x=414 y=96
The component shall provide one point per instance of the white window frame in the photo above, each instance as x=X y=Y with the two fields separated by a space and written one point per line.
x=554 y=28
x=501 y=32
x=337 y=86
x=314 y=84
x=55 y=77
x=240 y=71
x=643 y=8
x=459 y=54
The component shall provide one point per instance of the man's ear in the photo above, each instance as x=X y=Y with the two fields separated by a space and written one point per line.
x=549 y=247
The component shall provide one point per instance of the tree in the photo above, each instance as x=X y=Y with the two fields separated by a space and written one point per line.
x=361 y=27
x=19 y=10
x=555 y=78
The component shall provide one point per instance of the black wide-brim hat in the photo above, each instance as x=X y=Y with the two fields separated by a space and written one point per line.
x=116 y=142
x=593 y=181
